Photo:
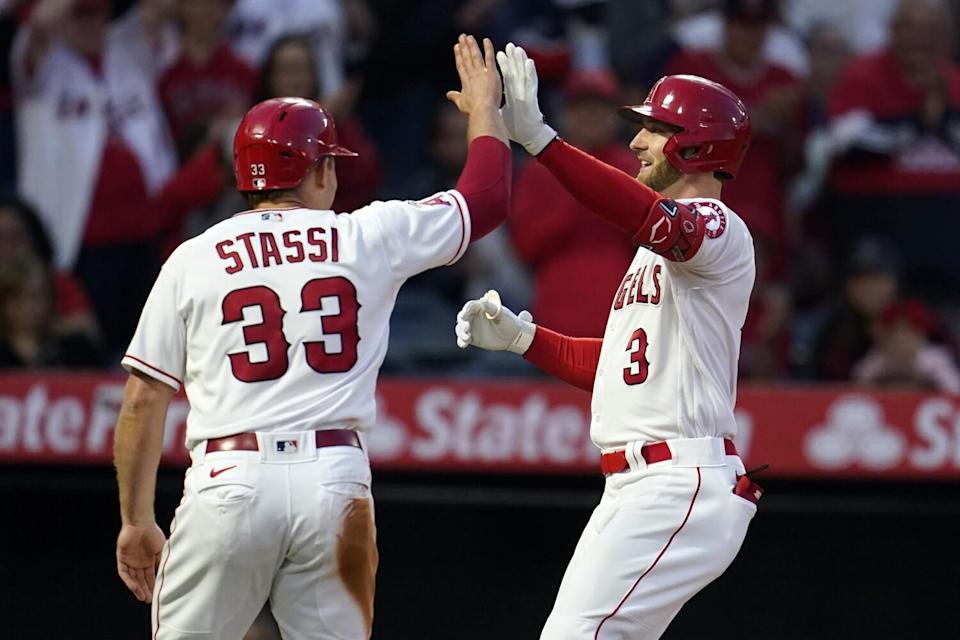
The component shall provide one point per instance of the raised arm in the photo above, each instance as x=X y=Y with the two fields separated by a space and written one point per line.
x=485 y=180
x=663 y=226
x=46 y=17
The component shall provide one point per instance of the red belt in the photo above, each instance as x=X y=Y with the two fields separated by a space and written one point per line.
x=248 y=441
x=616 y=461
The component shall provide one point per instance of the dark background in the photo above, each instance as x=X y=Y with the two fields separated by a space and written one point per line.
x=472 y=557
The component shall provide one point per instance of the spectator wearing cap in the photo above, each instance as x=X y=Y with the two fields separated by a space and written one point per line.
x=895 y=126
x=566 y=247
x=772 y=95
x=905 y=356
x=870 y=286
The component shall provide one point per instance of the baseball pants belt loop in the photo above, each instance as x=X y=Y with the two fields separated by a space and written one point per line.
x=248 y=441
x=635 y=459
x=652 y=453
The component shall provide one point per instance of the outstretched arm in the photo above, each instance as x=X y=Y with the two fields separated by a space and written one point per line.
x=671 y=229
x=573 y=360
x=487 y=324
x=485 y=180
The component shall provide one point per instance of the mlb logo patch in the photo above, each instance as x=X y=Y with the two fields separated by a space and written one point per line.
x=286 y=446
x=274 y=216
x=259 y=183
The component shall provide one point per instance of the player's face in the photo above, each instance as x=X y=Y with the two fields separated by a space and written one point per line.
x=655 y=171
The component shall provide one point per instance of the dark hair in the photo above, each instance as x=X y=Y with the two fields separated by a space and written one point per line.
x=39 y=238
x=14 y=277
x=255 y=198
x=266 y=69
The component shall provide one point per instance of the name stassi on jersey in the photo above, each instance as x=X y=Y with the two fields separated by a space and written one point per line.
x=256 y=249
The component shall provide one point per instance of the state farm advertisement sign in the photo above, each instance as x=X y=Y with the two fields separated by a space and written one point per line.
x=526 y=427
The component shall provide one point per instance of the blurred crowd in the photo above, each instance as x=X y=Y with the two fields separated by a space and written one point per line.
x=116 y=119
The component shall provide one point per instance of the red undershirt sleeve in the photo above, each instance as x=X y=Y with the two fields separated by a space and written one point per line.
x=573 y=360
x=485 y=184
x=673 y=230
x=605 y=190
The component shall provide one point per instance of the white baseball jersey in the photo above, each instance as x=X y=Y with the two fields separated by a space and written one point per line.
x=668 y=365
x=277 y=320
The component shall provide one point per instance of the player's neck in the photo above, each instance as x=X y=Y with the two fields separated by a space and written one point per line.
x=282 y=203
x=694 y=186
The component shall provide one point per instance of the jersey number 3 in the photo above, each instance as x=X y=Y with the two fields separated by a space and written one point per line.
x=639 y=367
x=269 y=332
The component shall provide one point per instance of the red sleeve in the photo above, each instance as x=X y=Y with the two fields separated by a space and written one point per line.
x=485 y=184
x=663 y=226
x=573 y=360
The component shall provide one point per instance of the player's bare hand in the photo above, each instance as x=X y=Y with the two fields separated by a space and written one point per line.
x=138 y=555
x=480 y=86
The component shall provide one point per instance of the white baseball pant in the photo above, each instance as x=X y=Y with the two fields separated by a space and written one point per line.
x=660 y=534
x=294 y=526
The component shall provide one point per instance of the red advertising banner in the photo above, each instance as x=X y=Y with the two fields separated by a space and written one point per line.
x=526 y=427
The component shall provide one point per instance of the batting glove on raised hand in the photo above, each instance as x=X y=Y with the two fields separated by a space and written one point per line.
x=521 y=110
x=487 y=324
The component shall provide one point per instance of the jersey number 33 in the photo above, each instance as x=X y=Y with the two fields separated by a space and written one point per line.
x=269 y=332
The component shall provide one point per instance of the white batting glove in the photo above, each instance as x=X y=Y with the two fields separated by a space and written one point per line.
x=487 y=324
x=521 y=110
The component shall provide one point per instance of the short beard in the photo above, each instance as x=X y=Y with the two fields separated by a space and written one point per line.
x=662 y=176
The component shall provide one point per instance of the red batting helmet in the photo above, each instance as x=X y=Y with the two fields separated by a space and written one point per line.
x=279 y=141
x=710 y=117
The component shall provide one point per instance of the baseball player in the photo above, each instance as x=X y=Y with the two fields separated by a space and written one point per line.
x=276 y=321
x=677 y=504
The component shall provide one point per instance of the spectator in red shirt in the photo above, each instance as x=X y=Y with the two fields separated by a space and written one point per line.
x=207 y=79
x=772 y=95
x=895 y=127
x=566 y=247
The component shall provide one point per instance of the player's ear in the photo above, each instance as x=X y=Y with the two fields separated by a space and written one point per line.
x=325 y=172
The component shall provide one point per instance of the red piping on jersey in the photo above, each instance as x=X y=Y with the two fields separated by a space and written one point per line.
x=484 y=184
x=573 y=360
x=163 y=574
x=463 y=230
x=596 y=635
x=150 y=366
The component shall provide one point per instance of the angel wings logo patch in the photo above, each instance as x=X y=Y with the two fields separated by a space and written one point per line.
x=715 y=220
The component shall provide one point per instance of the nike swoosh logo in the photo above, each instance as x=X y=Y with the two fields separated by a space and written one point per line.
x=215 y=472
